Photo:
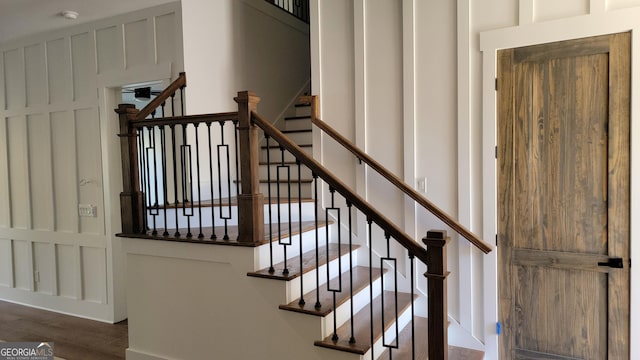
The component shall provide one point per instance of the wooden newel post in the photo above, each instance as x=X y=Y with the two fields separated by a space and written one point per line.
x=250 y=200
x=436 y=241
x=131 y=198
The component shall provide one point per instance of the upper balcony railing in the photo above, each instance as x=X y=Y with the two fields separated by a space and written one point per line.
x=297 y=8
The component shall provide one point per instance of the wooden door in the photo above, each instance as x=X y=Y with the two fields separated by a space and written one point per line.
x=563 y=199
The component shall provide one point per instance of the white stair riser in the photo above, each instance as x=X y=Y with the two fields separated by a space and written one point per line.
x=403 y=320
x=286 y=190
x=297 y=124
x=309 y=280
x=301 y=137
x=343 y=312
x=303 y=110
x=305 y=172
x=308 y=243
x=275 y=155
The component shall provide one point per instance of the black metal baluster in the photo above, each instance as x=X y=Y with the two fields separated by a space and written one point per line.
x=213 y=221
x=285 y=270
x=142 y=167
x=370 y=235
x=182 y=100
x=315 y=216
x=162 y=108
x=163 y=145
x=329 y=286
x=235 y=131
x=413 y=313
x=224 y=217
x=174 y=155
x=200 y=234
x=187 y=180
x=388 y=259
x=271 y=269
x=173 y=107
x=151 y=153
x=352 y=339
x=301 y=301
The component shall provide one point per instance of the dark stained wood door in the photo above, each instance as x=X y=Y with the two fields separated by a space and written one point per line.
x=563 y=199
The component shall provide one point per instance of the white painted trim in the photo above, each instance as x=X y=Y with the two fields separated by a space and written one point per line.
x=409 y=109
x=360 y=105
x=526 y=12
x=464 y=161
x=315 y=41
x=133 y=354
x=565 y=29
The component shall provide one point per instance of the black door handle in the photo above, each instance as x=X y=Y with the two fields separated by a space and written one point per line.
x=613 y=263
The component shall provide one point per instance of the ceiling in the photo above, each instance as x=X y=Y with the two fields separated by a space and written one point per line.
x=19 y=18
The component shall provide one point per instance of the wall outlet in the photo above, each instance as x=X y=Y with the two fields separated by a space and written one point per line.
x=87 y=210
x=421 y=184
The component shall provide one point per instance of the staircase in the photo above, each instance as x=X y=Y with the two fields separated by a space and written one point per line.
x=357 y=299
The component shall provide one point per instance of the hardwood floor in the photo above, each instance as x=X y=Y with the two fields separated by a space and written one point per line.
x=74 y=338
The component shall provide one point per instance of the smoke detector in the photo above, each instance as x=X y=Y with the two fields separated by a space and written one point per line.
x=69 y=14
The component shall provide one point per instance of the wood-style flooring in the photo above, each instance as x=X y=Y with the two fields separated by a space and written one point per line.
x=73 y=338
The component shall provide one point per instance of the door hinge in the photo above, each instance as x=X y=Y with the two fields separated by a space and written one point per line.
x=496 y=84
x=498 y=328
x=496 y=152
x=496 y=240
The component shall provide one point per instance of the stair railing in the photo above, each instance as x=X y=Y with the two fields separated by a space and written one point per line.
x=434 y=257
x=297 y=8
x=392 y=178
x=165 y=166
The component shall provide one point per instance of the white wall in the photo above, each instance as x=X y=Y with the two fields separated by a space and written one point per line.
x=435 y=87
x=231 y=46
x=58 y=149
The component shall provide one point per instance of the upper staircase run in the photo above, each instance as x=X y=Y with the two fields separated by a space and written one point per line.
x=235 y=179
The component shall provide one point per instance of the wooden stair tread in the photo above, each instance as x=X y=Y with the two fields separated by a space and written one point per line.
x=421 y=346
x=233 y=201
x=293 y=181
x=296 y=131
x=308 y=263
x=360 y=281
x=232 y=233
x=301 y=117
x=278 y=146
x=362 y=321
x=304 y=104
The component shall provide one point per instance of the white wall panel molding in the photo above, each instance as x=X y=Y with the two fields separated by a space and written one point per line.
x=5 y=191
x=526 y=13
x=409 y=109
x=53 y=153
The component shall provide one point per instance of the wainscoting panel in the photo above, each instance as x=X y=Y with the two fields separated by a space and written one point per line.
x=83 y=67
x=6 y=267
x=89 y=168
x=58 y=71
x=109 y=49
x=18 y=171
x=66 y=273
x=43 y=276
x=35 y=75
x=64 y=171
x=40 y=168
x=136 y=43
x=22 y=271
x=93 y=267
x=14 y=79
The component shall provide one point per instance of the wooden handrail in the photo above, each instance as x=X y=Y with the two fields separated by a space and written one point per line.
x=180 y=82
x=400 y=184
x=335 y=183
x=185 y=120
